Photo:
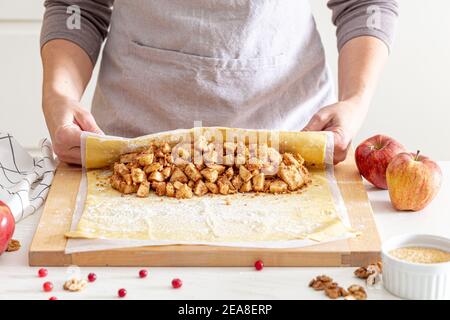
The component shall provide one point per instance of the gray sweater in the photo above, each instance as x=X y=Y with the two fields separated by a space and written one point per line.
x=353 y=18
x=238 y=63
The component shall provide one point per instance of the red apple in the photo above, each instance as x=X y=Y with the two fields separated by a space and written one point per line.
x=373 y=156
x=413 y=181
x=7 y=226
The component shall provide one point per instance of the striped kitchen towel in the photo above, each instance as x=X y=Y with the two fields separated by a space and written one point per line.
x=24 y=180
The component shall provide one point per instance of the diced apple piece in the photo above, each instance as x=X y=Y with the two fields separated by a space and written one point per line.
x=145 y=159
x=278 y=186
x=178 y=175
x=137 y=175
x=244 y=174
x=159 y=187
x=210 y=174
x=144 y=189
x=212 y=187
x=152 y=167
x=200 y=188
x=170 y=190
x=258 y=182
x=156 y=176
x=184 y=192
x=192 y=172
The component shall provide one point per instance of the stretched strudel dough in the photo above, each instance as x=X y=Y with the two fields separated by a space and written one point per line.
x=310 y=213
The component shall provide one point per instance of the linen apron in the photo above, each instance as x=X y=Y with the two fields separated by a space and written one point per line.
x=236 y=63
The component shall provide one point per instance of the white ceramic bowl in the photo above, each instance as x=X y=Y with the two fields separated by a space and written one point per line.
x=412 y=280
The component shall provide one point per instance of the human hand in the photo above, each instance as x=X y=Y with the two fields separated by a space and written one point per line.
x=344 y=119
x=66 y=119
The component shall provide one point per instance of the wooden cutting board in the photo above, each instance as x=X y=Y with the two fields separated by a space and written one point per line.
x=47 y=248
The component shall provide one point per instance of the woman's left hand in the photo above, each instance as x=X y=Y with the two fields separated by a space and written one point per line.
x=343 y=119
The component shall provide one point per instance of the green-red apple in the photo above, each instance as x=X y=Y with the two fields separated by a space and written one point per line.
x=372 y=157
x=413 y=181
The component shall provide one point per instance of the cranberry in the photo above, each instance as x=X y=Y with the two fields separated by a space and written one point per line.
x=122 y=293
x=92 y=277
x=47 y=286
x=53 y=298
x=42 y=273
x=177 y=283
x=143 y=273
x=259 y=265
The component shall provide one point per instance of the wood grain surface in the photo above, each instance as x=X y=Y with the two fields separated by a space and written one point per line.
x=47 y=248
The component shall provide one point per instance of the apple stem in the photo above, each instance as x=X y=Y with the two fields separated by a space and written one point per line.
x=417 y=155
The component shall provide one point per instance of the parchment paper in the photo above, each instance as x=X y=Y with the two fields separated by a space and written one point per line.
x=109 y=148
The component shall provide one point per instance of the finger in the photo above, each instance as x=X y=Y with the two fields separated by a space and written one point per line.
x=87 y=122
x=318 y=122
x=72 y=157
x=68 y=136
x=341 y=144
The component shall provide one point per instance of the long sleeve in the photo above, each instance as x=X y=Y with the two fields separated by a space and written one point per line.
x=355 y=18
x=94 y=23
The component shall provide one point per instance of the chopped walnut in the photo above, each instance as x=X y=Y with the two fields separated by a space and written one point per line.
x=75 y=285
x=334 y=291
x=320 y=282
x=13 y=245
x=356 y=292
x=370 y=273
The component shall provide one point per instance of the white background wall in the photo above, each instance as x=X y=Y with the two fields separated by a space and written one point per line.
x=412 y=103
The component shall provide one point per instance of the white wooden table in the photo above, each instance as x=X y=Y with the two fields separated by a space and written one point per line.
x=19 y=281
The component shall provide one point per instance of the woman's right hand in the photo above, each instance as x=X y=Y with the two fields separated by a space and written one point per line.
x=66 y=119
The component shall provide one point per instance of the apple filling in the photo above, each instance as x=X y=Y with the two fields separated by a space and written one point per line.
x=201 y=168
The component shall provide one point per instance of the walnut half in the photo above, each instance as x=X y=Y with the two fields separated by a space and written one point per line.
x=74 y=285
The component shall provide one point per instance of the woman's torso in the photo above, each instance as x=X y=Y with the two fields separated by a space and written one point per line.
x=235 y=63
